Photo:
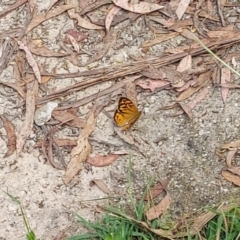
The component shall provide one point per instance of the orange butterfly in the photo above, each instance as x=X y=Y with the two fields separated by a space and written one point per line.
x=126 y=114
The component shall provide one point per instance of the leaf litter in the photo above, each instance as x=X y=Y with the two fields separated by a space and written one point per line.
x=155 y=76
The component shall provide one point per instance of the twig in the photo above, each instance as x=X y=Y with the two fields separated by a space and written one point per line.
x=220 y=13
x=107 y=73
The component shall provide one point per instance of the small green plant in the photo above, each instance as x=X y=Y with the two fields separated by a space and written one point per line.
x=224 y=226
x=30 y=234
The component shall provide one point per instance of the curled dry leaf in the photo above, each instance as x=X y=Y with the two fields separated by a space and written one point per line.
x=80 y=153
x=26 y=128
x=159 y=209
x=142 y=7
x=110 y=16
x=152 y=84
x=235 y=170
x=11 y=136
x=101 y=185
x=235 y=179
x=156 y=190
x=229 y=157
x=36 y=20
x=31 y=60
x=102 y=161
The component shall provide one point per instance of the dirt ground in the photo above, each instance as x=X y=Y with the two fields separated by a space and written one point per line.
x=177 y=148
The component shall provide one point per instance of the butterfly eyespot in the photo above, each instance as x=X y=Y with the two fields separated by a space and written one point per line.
x=126 y=114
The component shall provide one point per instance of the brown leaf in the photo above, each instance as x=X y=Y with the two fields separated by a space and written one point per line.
x=235 y=170
x=81 y=21
x=231 y=146
x=152 y=84
x=12 y=7
x=51 y=4
x=109 y=40
x=70 y=117
x=198 y=98
x=101 y=185
x=65 y=142
x=36 y=20
x=11 y=136
x=80 y=153
x=27 y=125
x=43 y=51
x=31 y=60
x=222 y=34
x=225 y=78
x=229 y=157
x=77 y=35
x=231 y=177
x=159 y=209
x=102 y=161
x=110 y=16
x=160 y=39
x=16 y=86
x=202 y=80
x=186 y=109
x=182 y=6
x=142 y=7
x=156 y=190
x=185 y=64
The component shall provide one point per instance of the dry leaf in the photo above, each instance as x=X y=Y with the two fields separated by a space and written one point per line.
x=201 y=81
x=16 y=86
x=80 y=153
x=225 y=78
x=51 y=3
x=77 y=35
x=160 y=39
x=229 y=157
x=74 y=43
x=11 y=136
x=31 y=60
x=64 y=142
x=186 y=109
x=185 y=64
x=156 y=190
x=231 y=177
x=159 y=209
x=110 y=16
x=36 y=20
x=43 y=51
x=70 y=117
x=101 y=185
x=27 y=125
x=102 y=161
x=81 y=21
x=142 y=7
x=12 y=7
x=152 y=84
x=235 y=170
x=231 y=146
x=182 y=6
x=198 y=98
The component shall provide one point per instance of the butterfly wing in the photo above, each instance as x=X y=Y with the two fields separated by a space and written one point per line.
x=126 y=114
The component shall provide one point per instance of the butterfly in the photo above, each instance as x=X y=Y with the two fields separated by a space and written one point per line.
x=126 y=114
